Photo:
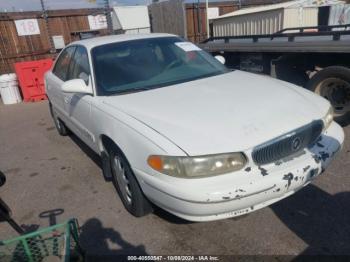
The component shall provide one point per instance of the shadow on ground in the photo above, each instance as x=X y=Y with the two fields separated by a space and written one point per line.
x=104 y=244
x=51 y=215
x=172 y=219
x=321 y=220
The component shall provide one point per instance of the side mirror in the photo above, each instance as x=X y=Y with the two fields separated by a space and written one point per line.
x=221 y=59
x=76 y=86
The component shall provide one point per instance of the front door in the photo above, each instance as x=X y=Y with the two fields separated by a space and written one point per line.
x=56 y=79
x=78 y=106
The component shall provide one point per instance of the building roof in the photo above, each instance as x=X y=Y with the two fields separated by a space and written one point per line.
x=290 y=4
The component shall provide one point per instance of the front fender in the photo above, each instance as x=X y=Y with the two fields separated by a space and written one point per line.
x=136 y=140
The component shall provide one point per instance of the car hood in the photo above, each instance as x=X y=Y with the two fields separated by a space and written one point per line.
x=225 y=113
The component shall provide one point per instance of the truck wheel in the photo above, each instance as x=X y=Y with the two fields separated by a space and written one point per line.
x=127 y=186
x=60 y=126
x=333 y=83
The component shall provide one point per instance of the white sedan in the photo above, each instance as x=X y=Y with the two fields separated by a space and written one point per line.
x=176 y=128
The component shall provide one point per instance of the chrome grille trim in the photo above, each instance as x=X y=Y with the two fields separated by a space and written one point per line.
x=288 y=144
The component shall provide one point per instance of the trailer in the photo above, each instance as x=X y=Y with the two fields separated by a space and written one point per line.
x=317 y=58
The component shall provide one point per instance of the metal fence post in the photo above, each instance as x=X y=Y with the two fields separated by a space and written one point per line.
x=47 y=27
x=108 y=17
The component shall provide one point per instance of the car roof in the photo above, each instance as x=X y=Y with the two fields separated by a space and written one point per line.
x=101 y=40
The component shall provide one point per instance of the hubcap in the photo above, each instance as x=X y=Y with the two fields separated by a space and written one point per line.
x=337 y=91
x=122 y=180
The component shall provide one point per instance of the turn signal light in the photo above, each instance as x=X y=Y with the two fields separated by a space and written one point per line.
x=155 y=162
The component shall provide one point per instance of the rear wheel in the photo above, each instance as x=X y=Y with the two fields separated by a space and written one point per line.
x=60 y=126
x=333 y=83
x=127 y=186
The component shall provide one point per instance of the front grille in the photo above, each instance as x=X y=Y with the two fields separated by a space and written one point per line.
x=288 y=144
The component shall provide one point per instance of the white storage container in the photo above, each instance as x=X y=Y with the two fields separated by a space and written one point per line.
x=267 y=19
x=131 y=19
x=9 y=89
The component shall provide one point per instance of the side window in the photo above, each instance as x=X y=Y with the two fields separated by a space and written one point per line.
x=62 y=64
x=79 y=67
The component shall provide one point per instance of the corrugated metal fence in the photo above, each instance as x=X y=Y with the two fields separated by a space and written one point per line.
x=339 y=15
x=265 y=22
x=14 y=48
x=250 y=24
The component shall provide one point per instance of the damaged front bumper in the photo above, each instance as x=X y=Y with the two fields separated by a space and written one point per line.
x=242 y=192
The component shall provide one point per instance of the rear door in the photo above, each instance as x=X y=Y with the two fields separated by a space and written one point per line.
x=56 y=78
x=78 y=106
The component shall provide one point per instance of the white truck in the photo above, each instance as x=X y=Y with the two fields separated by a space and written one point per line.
x=317 y=58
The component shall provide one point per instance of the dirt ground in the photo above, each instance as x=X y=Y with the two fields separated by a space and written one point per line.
x=48 y=172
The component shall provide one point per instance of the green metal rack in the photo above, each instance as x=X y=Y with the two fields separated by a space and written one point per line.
x=55 y=243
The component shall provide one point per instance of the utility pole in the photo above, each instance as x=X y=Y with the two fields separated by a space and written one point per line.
x=207 y=12
x=47 y=27
x=199 y=22
x=107 y=11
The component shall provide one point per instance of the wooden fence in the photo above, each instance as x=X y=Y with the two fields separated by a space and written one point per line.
x=168 y=17
x=196 y=17
x=15 y=48
x=186 y=20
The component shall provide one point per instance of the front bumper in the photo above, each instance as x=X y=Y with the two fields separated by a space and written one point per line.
x=244 y=191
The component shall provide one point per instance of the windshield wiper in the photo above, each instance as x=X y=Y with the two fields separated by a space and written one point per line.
x=131 y=90
x=174 y=82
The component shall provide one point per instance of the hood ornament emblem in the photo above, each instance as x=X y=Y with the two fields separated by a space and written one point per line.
x=296 y=144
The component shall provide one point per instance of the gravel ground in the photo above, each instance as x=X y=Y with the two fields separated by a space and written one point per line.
x=48 y=172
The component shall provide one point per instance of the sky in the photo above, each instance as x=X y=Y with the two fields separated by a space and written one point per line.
x=31 y=5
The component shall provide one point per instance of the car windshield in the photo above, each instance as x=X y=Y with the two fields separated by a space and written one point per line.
x=137 y=65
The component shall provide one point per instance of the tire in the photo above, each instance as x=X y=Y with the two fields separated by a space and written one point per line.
x=333 y=83
x=127 y=186
x=59 y=124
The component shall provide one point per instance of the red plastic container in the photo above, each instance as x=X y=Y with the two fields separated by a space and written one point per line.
x=30 y=76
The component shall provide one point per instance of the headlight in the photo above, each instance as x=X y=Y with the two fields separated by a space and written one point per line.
x=328 y=118
x=197 y=166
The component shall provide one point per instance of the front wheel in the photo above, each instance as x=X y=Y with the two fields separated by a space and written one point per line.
x=333 y=83
x=127 y=186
